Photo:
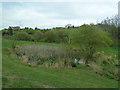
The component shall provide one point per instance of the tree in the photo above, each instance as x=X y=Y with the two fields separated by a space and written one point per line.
x=10 y=31
x=111 y=26
x=62 y=35
x=38 y=36
x=36 y=28
x=69 y=33
x=26 y=27
x=22 y=36
x=68 y=25
x=90 y=38
x=51 y=36
x=111 y=29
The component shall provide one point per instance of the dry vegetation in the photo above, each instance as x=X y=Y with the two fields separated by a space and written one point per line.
x=39 y=54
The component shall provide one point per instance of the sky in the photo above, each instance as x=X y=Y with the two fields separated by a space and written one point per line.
x=51 y=13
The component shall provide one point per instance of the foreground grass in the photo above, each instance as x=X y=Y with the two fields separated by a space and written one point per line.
x=18 y=75
x=0 y=61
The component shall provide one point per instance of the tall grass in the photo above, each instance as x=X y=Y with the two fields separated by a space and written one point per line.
x=105 y=65
x=38 y=54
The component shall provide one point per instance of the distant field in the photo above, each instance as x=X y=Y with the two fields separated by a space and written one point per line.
x=18 y=75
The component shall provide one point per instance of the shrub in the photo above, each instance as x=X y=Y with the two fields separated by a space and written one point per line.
x=22 y=36
x=90 y=38
x=51 y=36
x=29 y=31
x=62 y=36
x=105 y=65
x=10 y=31
x=38 y=36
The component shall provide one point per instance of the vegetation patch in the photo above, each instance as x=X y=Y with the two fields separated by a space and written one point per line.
x=39 y=54
x=105 y=65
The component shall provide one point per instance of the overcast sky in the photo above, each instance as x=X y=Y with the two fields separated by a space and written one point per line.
x=51 y=14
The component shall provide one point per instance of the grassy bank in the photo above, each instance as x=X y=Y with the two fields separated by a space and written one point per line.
x=17 y=75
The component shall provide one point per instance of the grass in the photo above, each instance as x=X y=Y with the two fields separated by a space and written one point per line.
x=0 y=61
x=18 y=75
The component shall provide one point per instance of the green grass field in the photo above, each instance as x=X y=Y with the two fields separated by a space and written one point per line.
x=0 y=61
x=18 y=75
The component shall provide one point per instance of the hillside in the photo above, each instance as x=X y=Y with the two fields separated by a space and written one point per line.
x=19 y=75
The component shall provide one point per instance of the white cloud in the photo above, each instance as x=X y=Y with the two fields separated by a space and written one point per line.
x=28 y=17
x=0 y=15
x=95 y=10
x=56 y=14
x=59 y=0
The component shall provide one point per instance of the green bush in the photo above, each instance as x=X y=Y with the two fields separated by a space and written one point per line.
x=51 y=36
x=22 y=36
x=105 y=65
x=38 y=36
x=90 y=38
x=57 y=35
x=62 y=36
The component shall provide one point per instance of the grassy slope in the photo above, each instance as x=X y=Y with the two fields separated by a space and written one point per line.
x=16 y=74
x=0 y=61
